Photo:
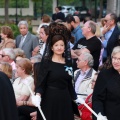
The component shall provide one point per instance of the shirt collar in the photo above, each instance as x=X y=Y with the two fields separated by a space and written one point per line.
x=84 y=73
x=112 y=29
x=74 y=31
x=24 y=35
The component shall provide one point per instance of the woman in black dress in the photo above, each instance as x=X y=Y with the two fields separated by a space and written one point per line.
x=56 y=88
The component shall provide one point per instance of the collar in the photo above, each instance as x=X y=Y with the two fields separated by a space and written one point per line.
x=76 y=29
x=84 y=73
x=112 y=29
x=24 y=35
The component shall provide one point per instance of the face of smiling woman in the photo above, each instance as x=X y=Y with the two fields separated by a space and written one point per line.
x=58 y=48
x=116 y=61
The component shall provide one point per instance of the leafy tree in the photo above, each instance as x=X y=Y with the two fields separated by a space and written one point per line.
x=35 y=7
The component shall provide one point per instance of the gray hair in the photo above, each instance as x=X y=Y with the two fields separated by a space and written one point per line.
x=115 y=50
x=23 y=22
x=87 y=56
x=10 y=52
x=36 y=58
x=92 y=25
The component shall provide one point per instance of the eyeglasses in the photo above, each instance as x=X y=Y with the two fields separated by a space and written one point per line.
x=115 y=59
x=107 y=20
x=3 y=55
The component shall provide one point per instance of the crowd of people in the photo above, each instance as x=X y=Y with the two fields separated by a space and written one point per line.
x=66 y=62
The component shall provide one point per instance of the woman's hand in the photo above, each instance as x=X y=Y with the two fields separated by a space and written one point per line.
x=19 y=103
x=33 y=115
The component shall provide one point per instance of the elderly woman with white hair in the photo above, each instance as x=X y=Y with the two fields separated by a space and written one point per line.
x=106 y=95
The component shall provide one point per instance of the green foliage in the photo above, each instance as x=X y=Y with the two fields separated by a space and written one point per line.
x=12 y=3
x=69 y=2
x=36 y=0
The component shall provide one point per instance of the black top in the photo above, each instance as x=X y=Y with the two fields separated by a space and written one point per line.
x=57 y=77
x=106 y=94
x=113 y=41
x=58 y=15
x=93 y=45
x=57 y=93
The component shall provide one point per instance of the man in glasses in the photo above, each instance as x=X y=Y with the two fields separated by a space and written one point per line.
x=84 y=75
x=111 y=35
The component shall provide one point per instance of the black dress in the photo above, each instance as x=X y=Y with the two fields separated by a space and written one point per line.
x=58 y=93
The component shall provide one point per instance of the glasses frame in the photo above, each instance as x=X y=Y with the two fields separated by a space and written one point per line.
x=115 y=59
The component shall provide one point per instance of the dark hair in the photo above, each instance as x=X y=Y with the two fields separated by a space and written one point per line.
x=59 y=7
x=114 y=17
x=69 y=18
x=46 y=29
x=56 y=38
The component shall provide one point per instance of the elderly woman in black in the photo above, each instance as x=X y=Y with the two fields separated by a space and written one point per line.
x=106 y=95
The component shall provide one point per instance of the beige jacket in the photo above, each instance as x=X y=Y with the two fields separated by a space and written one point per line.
x=85 y=85
x=7 y=44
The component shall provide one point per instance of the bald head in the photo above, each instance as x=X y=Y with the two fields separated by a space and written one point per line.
x=77 y=20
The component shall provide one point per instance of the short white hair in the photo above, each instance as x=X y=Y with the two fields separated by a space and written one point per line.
x=10 y=52
x=87 y=56
x=36 y=58
x=23 y=22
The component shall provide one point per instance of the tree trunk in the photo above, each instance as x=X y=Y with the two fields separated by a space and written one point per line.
x=42 y=11
x=6 y=11
x=35 y=11
x=101 y=9
x=83 y=2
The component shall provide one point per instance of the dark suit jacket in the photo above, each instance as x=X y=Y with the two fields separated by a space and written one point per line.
x=31 y=41
x=106 y=94
x=113 y=40
x=58 y=15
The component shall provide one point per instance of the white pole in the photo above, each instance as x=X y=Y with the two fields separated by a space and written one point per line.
x=38 y=105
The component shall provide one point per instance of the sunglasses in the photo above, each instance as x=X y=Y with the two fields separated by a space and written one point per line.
x=3 y=55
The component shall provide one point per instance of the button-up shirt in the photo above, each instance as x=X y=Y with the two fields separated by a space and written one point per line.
x=107 y=36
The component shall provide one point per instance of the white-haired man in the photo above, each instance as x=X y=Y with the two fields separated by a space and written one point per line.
x=84 y=74
x=26 y=41
x=8 y=55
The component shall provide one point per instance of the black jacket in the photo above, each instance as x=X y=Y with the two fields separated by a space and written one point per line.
x=113 y=40
x=106 y=94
